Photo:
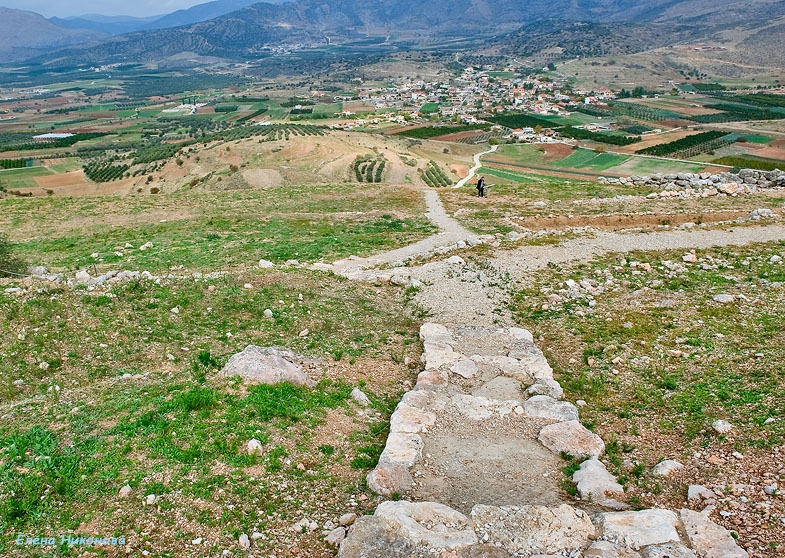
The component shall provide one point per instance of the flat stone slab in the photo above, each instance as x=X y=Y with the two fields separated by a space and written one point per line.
x=533 y=529
x=543 y=406
x=503 y=469
x=500 y=388
x=636 y=529
x=709 y=539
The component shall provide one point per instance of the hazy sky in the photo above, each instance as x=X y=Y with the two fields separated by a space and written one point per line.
x=65 y=8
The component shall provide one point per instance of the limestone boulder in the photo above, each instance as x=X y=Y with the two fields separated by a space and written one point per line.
x=429 y=524
x=571 y=437
x=595 y=483
x=267 y=365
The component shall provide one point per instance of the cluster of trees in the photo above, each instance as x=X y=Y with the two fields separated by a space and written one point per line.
x=737 y=113
x=15 y=163
x=104 y=171
x=749 y=163
x=580 y=133
x=54 y=144
x=369 y=168
x=521 y=120
x=427 y=132
x=637 y=92
x=156 y=152
x=294 y=102
x=434 y=176
x=226 y=108
x=700 y=142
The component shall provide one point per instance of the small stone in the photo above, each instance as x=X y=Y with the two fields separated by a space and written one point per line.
x=254 y=447
x=697 y=493
x=303 y=333
x=248 y=286
x=667 y=467
x=770 y=489
x=767 y=421
x=347 y=519
x=737 y=455
x=268 y=313
x=150 y=500
x=581 y=403
x=197 y=540
x=721 y=426
x=265 y=264
x=359 y=396
x=175 y=310
x=723 y=298
x=124 y=491
x=244 y=542
x=211 y=288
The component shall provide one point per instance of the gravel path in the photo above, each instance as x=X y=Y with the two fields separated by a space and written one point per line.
x=464 y=293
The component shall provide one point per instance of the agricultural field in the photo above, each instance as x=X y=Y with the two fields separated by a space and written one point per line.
x=583 y=163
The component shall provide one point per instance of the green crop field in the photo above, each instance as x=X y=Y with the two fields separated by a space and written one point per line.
x=22 y=178
x=590 y=159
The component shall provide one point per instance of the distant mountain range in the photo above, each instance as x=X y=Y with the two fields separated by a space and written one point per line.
x=125 y=24
x=24 y=34
x=213 y=30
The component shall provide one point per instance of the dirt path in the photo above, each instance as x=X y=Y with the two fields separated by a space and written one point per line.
x=450 y=235
x=476 y=167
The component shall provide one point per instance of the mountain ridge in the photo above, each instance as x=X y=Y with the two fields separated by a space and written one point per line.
x=260 y=27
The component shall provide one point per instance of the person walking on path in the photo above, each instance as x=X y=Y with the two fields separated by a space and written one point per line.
x=481 y=187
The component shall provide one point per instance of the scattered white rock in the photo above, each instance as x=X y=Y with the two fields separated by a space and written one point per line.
x=667 y=467
x=265 y=264
x=595 y=483
x=244 y=542
x=268 y=313
x=697 y=493
x=542 y=406
x=723 y=298
x=721 y=426
x=347 y=519
x=197 y=540
x=254 y=447
x=527 y=530
x=669 y=550
x=359 y=396
x=125 y=491
x=150 y=499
